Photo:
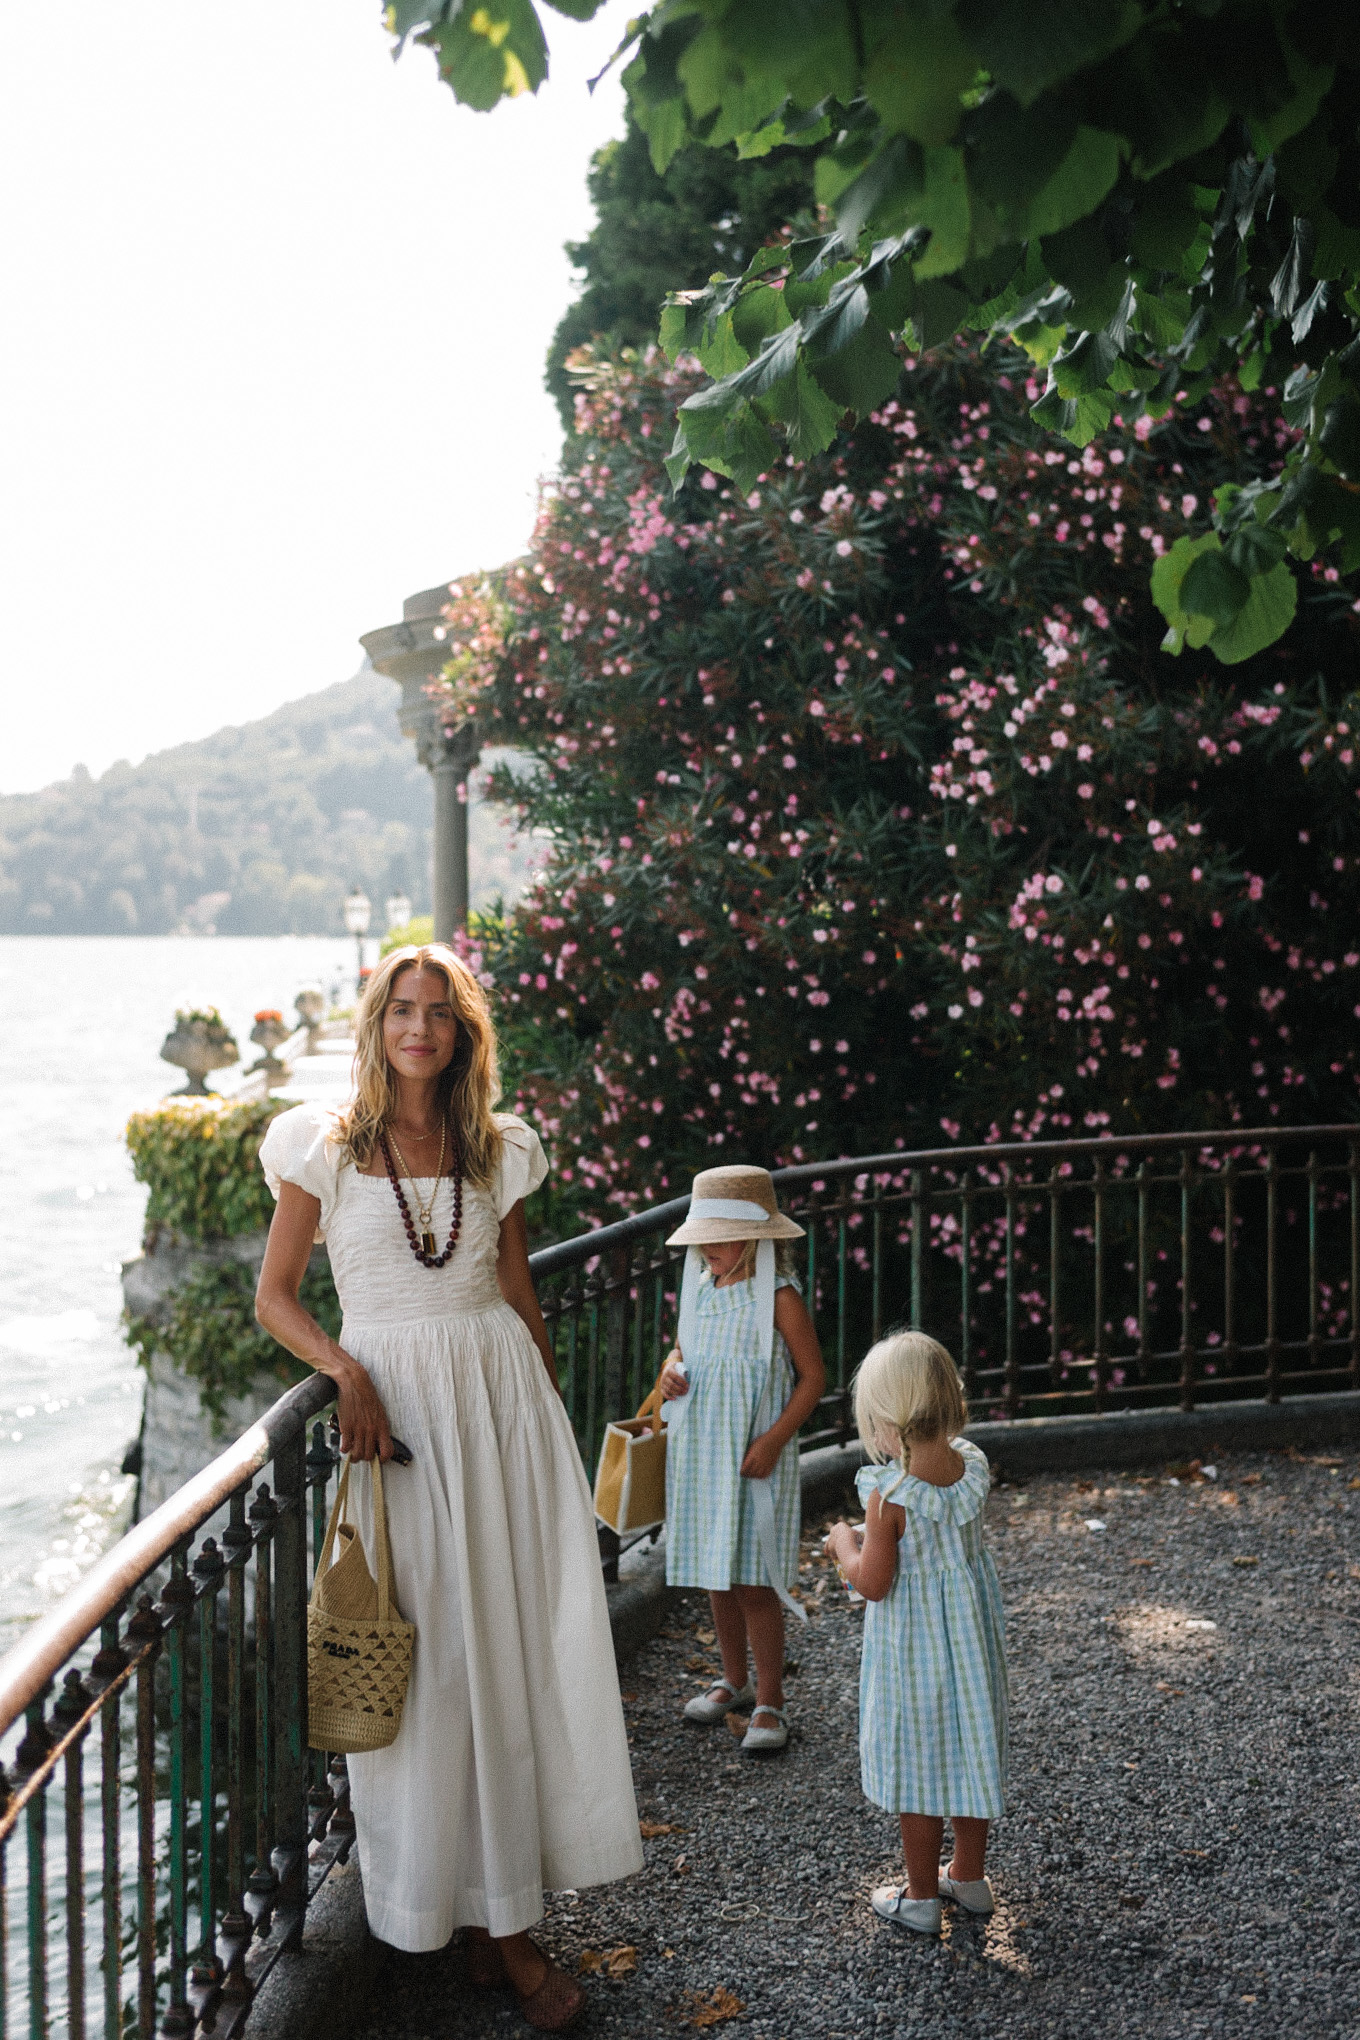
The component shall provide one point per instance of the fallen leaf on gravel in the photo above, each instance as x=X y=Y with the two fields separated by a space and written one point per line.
x=699 y=1664
x=1241 y=1559
x=737 y=1724
x=1142 y=1561
x=1176 y=1692
x=682 y=1866
x=704 y=1636
x=1251 y=1479
x=1353 y=1483
x=652 y=1828
x=608 y=1961
x=712 y=2011
x=1132 y=1899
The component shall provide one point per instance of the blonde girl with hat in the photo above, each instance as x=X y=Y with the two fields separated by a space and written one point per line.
x=749 y=1372
x=933 y=1690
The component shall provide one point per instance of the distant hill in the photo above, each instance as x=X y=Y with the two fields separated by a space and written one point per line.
x=257 y=830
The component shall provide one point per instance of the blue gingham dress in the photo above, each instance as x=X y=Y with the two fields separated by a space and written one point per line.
x=933 y=1686
x=710 y=1520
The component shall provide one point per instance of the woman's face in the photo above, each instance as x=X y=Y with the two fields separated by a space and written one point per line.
x=420 y=1028
x=723 y=1257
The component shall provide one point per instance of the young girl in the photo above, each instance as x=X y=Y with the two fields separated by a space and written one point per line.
x=932 y=1697
x=749 y=1372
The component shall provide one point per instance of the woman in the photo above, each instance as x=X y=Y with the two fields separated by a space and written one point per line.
x=510 y=1772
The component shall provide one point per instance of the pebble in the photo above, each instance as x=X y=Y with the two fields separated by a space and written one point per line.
x=1182 y=1846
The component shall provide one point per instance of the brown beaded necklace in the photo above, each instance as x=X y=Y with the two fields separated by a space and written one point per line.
x=423 y=1246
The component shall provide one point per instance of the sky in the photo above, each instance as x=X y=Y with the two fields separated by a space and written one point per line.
x=272 y=351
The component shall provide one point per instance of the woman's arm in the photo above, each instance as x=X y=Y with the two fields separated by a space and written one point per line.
x=795 y=1327
x=363 y=1420
x=870 y=1567
x=517 y=1284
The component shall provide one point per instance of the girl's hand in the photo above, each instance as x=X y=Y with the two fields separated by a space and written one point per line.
x=762 y=1456
x=673 y=1382
x=364 y=1432
x=842 y=1542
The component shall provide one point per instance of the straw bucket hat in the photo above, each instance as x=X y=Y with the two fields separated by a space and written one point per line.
x=737 y=1185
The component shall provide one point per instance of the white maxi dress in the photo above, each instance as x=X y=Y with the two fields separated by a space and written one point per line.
x=510 y=1772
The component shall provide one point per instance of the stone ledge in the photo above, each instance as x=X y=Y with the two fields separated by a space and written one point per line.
x=311 y=1995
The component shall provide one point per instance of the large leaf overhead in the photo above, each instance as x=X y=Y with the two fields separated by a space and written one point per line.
x=1143 y=195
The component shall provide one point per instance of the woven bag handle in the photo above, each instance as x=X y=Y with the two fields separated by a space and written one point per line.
x=386 y=1584
x=651 y=1409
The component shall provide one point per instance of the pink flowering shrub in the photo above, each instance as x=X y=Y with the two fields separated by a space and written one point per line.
x=881 y=819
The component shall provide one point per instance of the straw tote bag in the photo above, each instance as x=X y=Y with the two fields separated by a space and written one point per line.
x=630 y=1480
x=358 y=1646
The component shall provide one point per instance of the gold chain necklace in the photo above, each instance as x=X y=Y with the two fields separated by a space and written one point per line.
x=424 y=1208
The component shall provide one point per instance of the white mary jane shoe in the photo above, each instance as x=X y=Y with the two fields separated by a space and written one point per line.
x=707 y=1711
x=975 y=1896
x=758 y=1739
x=892 y=1903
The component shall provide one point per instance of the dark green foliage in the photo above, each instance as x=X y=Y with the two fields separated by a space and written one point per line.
x=201 y=1159
x=1146 y=197
x=208 y=1331
x=661 y=232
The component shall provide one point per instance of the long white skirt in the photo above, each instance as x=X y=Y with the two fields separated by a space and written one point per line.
x=510 y=1772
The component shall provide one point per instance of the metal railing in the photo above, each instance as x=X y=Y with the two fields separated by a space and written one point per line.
x=1092 y=1274
x=1096 y=1274
x=208 y=1804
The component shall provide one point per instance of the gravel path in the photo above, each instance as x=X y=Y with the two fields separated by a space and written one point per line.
x=1182 y=1852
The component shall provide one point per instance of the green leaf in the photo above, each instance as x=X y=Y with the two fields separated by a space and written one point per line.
x=1076 y=418
x=1167 y=576
x=1339 y=438
x=672 y=334
x=1083 y=178
x=1310 y=83
x=1085 y=366
x=1166 y=220
x=945 y=209
x=861 y=373
x=810 y=418
x=756 y=315
x=915 y=69
x=940 y=309
x=1254 y=549
x=1264 y=617
x=1044 y=42
x=491 y=52
x=677 y=461
x=1213 y=587
x=720 y=351
x=666 y=126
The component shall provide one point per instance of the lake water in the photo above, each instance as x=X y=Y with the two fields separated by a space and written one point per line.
x=81 y=1024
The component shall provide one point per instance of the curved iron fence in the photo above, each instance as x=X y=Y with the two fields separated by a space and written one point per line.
x=1064 y=1275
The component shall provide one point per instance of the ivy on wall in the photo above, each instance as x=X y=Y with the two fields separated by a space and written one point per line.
x=200 y=1157
x=208 y=1332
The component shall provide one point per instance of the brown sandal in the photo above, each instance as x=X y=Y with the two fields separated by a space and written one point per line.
x=485 y=1963
x=557 y=2003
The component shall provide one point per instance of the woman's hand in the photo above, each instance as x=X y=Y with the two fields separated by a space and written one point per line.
x=674 y=1381
x=762 y=1456
x=364 y=1432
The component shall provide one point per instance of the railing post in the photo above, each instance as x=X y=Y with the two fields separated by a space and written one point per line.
x=75 y=1698
x=290 y=1686
x=207 y=1569
x=110 y=1660
x=178 y=1597
x=34 y=1747
x=1272 y=1241
x=918 y=1258
x=1230 y=1264
x=1353 y=1170
x=1314 y=1344
x=1144 y=1180
x=4 y=1914
x=1012 y=1376
x=1054 y=1266
x=966 y=1283
x=145 y=1629
x=235 y=1923
x=1187 y=1179
x=262 y=1889
x=1101 y=1352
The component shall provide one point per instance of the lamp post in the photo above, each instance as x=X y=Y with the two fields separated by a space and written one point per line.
x=398 y=910
x=358 y=912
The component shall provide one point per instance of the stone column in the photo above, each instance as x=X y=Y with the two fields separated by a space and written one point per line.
x=409 y=653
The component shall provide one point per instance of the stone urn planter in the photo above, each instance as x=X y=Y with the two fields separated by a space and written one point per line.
x=197 y=1043
x=271 y=1030
x=310 y=1005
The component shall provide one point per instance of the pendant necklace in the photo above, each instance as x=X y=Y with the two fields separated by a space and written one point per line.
x=424 y=1248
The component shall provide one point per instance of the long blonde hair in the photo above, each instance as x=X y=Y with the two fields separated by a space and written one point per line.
x=907 y=1383
x=468 y=1088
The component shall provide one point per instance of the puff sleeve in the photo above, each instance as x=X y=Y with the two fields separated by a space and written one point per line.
x=523 y=1164
x=298 y=1147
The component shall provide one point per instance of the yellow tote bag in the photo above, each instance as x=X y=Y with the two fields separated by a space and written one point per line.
x=630 y=1480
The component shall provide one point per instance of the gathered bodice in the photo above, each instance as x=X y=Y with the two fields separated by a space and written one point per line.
x=378 y=1279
